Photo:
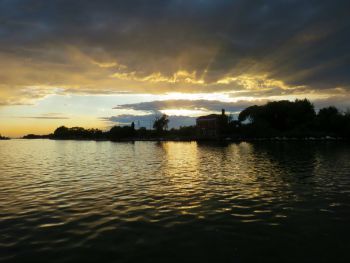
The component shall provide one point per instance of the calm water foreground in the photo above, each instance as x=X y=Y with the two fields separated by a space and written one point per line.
x=65 y=201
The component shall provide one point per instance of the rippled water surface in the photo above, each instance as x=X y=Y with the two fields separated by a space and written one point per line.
x=65 y=201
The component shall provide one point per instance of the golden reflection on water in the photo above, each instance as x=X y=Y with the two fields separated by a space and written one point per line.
x=183 y=158
x=219 y=174
x=181 y=172
x=184 y=175
x=187 y=174
x=116 y=197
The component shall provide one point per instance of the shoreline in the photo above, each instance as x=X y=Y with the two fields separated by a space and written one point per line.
x=224 y=140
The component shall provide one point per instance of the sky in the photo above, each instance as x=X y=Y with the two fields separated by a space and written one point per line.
x=108 y=62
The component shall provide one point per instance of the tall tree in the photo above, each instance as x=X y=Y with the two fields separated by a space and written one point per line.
x=161 y=123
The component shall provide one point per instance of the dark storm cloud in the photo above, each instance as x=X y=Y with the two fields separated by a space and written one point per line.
x=298 y=42
x=155 y=107
x=206 y=105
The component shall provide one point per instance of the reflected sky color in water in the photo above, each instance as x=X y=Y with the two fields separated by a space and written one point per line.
x=173 y=201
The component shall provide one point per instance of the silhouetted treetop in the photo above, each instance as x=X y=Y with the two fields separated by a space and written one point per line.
x=122 y=132
x=77 y=133
x=161 y=123
x=280 y=115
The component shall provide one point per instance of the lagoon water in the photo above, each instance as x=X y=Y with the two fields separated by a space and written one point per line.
x=68 y=201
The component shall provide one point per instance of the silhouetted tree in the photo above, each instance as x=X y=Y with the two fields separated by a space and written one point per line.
x=249 y=114
x=161 y=123
x=277 y=117
x=3 y=138
x=331 y=120
x=122 y=132
x=77 y=133
x=61 y=132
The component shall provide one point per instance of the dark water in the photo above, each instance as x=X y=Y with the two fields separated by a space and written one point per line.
x=65 y=201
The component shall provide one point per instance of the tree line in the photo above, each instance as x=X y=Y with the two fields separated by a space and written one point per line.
x=116 y=133
x=291 y=119
x=3 y=138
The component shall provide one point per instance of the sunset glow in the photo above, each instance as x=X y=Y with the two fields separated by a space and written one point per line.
x=172 y=131
x=86 y=67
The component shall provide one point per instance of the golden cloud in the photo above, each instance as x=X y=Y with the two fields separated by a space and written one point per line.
x=70 y=69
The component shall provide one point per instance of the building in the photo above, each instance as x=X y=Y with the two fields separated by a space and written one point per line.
x=211 y=126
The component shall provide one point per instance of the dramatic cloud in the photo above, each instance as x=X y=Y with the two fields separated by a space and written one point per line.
x=177 y=111
x=195 y=108
x=279 y=47
x=201 y=105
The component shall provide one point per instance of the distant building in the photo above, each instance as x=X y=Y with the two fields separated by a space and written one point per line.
x=211 y=126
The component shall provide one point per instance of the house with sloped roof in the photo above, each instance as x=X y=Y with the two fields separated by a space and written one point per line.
x=211 y=126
